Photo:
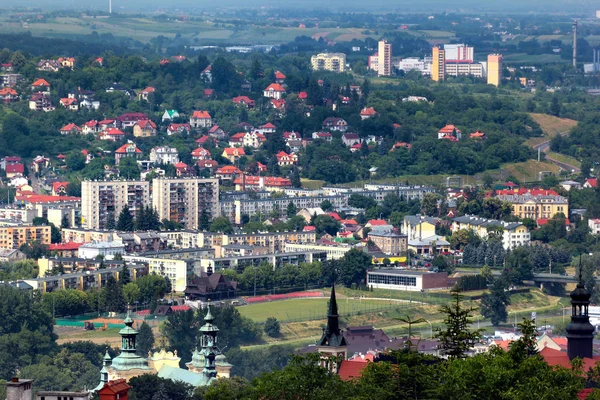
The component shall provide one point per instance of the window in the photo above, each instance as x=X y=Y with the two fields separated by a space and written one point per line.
x=398 y=280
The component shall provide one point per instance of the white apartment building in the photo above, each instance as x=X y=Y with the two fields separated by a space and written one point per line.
x=335 y=62
x=176 y=270
x=164 y=155
x=184 y=199
x=108 y=250
x=102 y=201
x=415 y=64
x=477 y=70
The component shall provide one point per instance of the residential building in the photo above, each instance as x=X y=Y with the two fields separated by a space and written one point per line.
x=108 y=250
x=396 y=279
x=284 y=159
x=41 y=86
x=177 y=270
x=367 y=112
x=494 y=69
x=384 y=61
x=40 y=102
x=274 y=91
x=390 y=243
x=185 y=199
x=465 y=68
x=164 y=155
x=279 y=77
x=170 y=115
x=415 y=64
x=418 y=226
x=334 y=62
x=130 y=119
x=127 y=150
x=70 y=103
x=534 y=203
x=350 y=139
x=117 y=87
x=334 y=250
x=335 y=124
x=459 y=53
x=450 y=132
x=514 y=234
x=200 y=154
x=233 y=154
x=11 y=255
x=239 y=263
x=112 y=134
x=594 y=225
x=103 y=201
x=144 y=128
x=201 y=119
x=178 y=128
x=8 y=95
x=268 y=183
x=11 y=213
x=10 y=80
x=243 y=101
x=438 y=64
x=144 y=94
x=13 y=237
x=253 y=139
x=326 y=136
x=70 y=129
x=49 y=65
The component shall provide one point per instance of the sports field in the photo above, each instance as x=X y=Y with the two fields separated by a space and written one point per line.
x=309 y=309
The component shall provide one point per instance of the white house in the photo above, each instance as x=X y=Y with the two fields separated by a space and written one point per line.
x=108 y=250
x=594 y=225
x=164 y=155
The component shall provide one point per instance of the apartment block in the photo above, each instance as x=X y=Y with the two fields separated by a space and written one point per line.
x=335 y=62
x=494 y=66
x=13 y=237
x=514 y=234
x=438 y=64
x=460 y=68
x=184 y=199
x=384 y=62
x=102 y=201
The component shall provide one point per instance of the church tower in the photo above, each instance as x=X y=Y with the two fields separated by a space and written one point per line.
x=208 y=342
x=580 y=332
x=128 y=364
x=332 y=342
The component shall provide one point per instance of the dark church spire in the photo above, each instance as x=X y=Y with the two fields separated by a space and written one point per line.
x=580 y=332
x=332 y=335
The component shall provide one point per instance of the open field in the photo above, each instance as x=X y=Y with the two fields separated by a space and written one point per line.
x=200 y=32
x=564 y=159
x=534 y=58
x=311 y=184
x=552 y=125
x=526 y=171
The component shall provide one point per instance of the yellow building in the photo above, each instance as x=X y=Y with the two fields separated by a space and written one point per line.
x=438 y=66
x=536 y=207
x=494 y=73
x=335 y=62
x=13 y=237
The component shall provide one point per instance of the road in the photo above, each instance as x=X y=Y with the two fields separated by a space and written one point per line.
x=544 y=146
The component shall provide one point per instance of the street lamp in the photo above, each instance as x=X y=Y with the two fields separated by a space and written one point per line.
x=430 y=329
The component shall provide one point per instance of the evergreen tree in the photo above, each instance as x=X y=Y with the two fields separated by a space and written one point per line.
x=65 y=223
x=204 y=221
x=124 y=275
x=493 y=304
x=125 y=222
x=456 y=339
x=295 y=178
x=113 y=296
x=291 y=210
x=141 y=222
x=110 y=221
x=145 y=340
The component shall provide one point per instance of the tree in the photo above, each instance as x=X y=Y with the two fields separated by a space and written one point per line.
x=64 y=222
x=113 y=296
x=125 y=222
x=493 y=304
x=34 y=249
x=204 y=221
x=131 y=292
x=429 y=204
x=353 y=267
x=555 y=107
x=129 y=168
x=124 y=275
x=326 y=205
x=222 y=225
x=75 y=161
x=272 y=327
x=152 y=387
x=360 y=201
x=145 y=340
x=295 y=178
x=291 y=210
x=456 y=339
x=325 y=224
x=110 y=221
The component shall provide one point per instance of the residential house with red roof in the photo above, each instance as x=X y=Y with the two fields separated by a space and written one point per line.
x=183 y=129
x=90 y=127
x=274 y=91
x=201 y=154
x=40 y=102
x=450 y=132
x=210 y=165
x=591 y=183
x=284 y=159
x=182 y=169
x=278 y=104
x=253 y=139
x=326 y=136
x=233 y=154
x=237 y=140
x=206 y=74
x=227 y=172
x=268 y=183
x=261 y=167
x=39 y=163
x=279 y=77
x=70 y=129
x=12 y=170
x=127 y=150
x=401 y=145
x=67 y=62
x=40 y=85
x=477 y=135
x=350 y=139
x=144 y=128
x=302 y=96
x=49 y=65
x=70 y=103
x=204 y=140
x=8 y=95
x=266 y=129
x=129 y=119
x=209 y=93
x=107 y=123
x=112 y=134
x=335 y=124
x=114 y=390
x=243 y=101
x=356 y=147
x=143 y=95
x=201 y=119
x=59 y=188
x=287 y=136
x=216 y=132
x=367 y=112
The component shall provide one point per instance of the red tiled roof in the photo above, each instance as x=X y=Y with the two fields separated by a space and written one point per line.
x=8 y=91
x=145 y=124
x=268 y=125
x=351 y=369
x=208 y=92
x=201 y=115
x=275 y=87
x=57 y=185
x=348 y=222
x=477 y=135
x=243 y=99
x=15 y=168
x=267 y=180
x=112 y=387
x=181 y=165
x=207 y=163
x=593 y=182
x=309 y=228
x=278 y=103
x=114 y=132
x=377 y=222
x=132 y=116
x=522 y=191
x=335 y=216
x=200 y=152
x=67 y=101
x=370 y=111
x=231 y=151
x=149 y=89
x=64 y=246
x=123 y=149
x=61 y=156
x=40 y=82
x=279 y=75
x=544 y=221
x=449 y=129
x=180 y=308
x=302 y=95
x=228 y=170
x=39 y=198
x=107 y=121
x=70 y=127
x=91 y=123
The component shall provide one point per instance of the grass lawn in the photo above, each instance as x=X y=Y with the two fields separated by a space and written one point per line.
x=564 y=159
x=310 y=309
x=552 y=125
x=526 y=171
x=311 y=184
